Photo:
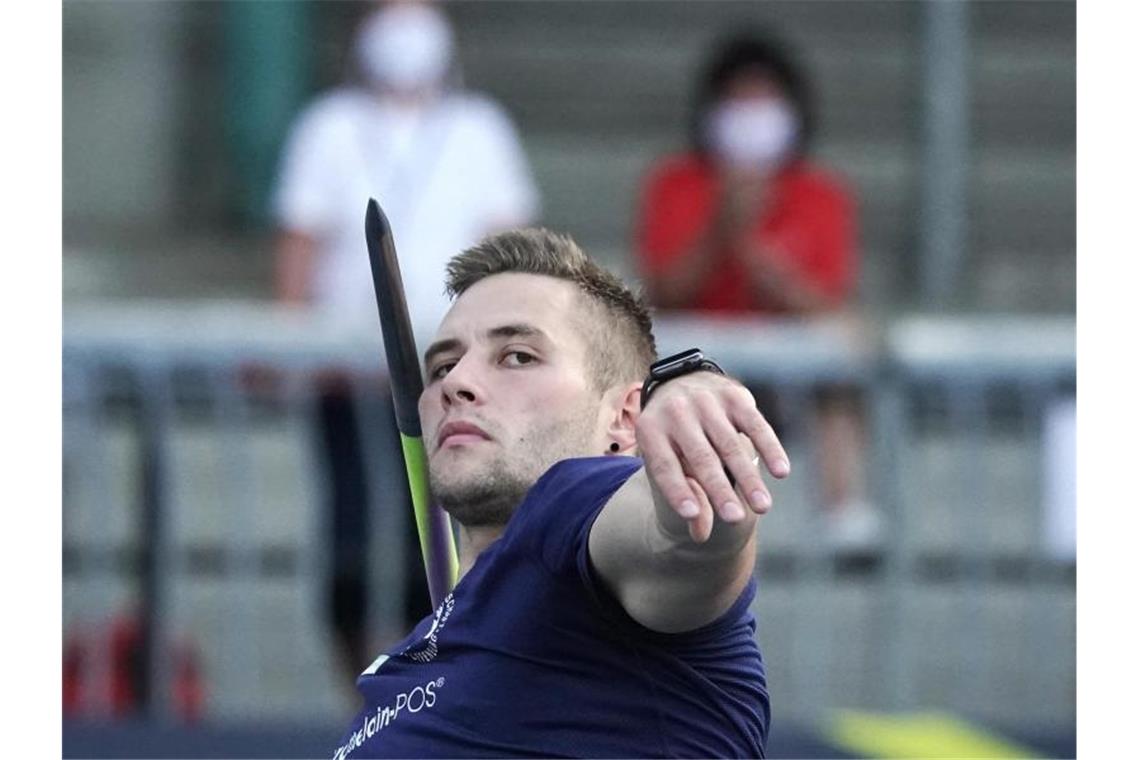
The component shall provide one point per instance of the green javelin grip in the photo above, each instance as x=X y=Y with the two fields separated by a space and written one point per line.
x=437 y=542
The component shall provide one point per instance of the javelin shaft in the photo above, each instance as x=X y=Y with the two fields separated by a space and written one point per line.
x=436 y=539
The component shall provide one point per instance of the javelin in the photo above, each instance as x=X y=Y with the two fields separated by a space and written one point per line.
x=436 y=539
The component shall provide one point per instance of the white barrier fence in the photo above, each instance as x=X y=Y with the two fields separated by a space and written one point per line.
x=191 y=495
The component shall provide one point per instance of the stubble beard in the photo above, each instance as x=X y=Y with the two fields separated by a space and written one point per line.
x=488 y=497
x=490 y=494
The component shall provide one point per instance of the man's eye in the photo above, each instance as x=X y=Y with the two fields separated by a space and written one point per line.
x=517 y=358
x=441 y=371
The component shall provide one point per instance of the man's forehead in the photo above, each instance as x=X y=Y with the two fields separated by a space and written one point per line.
x=512 y=298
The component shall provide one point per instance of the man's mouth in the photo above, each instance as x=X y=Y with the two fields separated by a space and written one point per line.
x=458 y=433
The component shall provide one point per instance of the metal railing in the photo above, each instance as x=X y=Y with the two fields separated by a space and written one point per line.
x=191 y=495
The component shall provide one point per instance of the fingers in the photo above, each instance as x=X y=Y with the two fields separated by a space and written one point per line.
x=700 y=527
x=747 y=419
x=704 y=464
x=675 y=447
x=736 y=453
x=683 y=493
x=664 y=468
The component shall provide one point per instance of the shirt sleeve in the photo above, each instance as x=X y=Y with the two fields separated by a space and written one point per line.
x=558 y=515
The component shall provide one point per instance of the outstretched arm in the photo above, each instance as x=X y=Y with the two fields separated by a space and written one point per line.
x=676 y=544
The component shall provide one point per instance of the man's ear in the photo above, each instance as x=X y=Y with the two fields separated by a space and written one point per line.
x=624 y=413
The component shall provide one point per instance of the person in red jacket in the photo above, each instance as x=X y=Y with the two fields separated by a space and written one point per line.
x=744 y=223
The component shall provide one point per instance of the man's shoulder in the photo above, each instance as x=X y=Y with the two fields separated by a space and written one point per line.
x=562 y=504
x=587 y=473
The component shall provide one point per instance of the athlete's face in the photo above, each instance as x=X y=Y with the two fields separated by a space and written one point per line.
x=507 y=394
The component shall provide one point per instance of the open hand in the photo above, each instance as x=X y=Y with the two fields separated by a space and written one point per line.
x=693 y=430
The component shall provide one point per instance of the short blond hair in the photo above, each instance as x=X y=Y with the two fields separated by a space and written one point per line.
x=620 y=338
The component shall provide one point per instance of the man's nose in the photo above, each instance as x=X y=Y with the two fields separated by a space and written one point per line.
x=460 y=385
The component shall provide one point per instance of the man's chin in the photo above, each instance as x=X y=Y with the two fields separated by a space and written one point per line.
x=480 y=496
x=455 y=466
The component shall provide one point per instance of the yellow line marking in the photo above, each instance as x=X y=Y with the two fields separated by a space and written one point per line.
x=917 y=735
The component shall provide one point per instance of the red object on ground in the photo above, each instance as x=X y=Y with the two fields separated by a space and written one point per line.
x=127 y=675
x=125 y=665
x=73 y=662
x=189 y=691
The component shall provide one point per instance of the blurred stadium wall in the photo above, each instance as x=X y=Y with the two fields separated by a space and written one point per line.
x=174 y=113
x=173 y=116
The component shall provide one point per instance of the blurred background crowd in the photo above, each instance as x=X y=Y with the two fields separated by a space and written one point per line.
x=865 y=209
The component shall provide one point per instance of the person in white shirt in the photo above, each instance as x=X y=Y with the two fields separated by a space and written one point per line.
x=445 y=164
x=448 y=168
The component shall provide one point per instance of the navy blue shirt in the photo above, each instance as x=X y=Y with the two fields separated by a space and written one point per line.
x=531 y=656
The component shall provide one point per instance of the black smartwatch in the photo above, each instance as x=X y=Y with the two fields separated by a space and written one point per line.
x=675 y=366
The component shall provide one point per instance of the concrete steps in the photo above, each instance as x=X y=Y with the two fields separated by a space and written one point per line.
x=600 y=89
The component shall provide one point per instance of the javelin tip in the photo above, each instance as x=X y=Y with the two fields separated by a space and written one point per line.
x=375 y=221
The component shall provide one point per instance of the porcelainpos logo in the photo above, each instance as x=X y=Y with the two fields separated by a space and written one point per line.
x=408 y=702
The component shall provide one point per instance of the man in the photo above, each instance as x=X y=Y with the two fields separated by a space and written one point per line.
x=605 y=556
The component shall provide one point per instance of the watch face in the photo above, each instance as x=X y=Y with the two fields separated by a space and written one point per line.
x=670 y=365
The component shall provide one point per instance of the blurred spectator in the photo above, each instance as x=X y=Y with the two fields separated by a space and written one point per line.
x=448 y=168
x=743 y=222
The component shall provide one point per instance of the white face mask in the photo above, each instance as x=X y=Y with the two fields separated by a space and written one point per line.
x=751 y=133
x=405 y=47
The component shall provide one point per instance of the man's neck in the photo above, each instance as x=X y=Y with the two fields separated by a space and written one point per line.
x=472 y=542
